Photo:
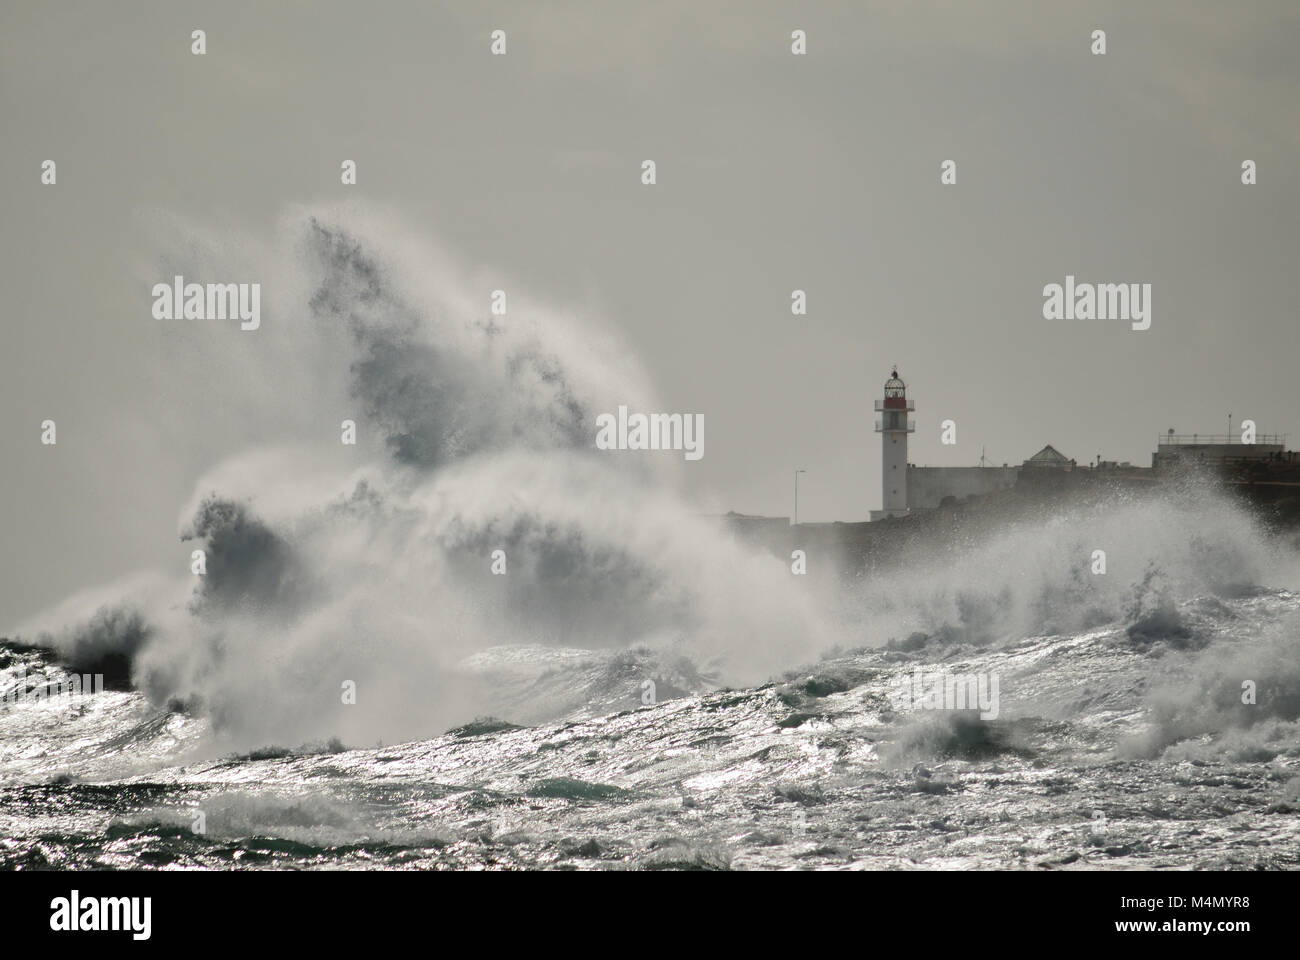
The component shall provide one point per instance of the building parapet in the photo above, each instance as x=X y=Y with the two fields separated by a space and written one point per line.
x=1218 y=439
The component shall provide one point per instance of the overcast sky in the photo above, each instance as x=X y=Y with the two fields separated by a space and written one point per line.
x=775 y=172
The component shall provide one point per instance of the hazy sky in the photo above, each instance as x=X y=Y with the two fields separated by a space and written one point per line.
x=775 y=172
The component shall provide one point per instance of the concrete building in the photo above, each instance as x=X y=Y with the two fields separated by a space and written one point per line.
x=907 y=488
x=893 y=427
x=1173 y=449
x=928 y=487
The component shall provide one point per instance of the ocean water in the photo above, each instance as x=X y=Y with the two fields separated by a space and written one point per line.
x=1105 y=754
x=349 y=683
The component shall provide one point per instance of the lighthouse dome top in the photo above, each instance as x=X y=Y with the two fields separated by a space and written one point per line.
x=895 y=387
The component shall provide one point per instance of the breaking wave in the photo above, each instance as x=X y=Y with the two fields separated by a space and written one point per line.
x=337 y=572
x=349 y=590
x=1041 y=574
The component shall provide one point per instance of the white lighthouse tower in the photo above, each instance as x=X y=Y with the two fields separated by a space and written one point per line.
x=893 y=427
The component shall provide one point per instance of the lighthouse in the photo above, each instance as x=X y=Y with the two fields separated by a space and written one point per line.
x=893 y=427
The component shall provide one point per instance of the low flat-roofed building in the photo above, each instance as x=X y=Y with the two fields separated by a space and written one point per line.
x=1187 y=448
x=928 y=487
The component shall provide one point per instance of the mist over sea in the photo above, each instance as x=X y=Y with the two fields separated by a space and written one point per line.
x=350 y=684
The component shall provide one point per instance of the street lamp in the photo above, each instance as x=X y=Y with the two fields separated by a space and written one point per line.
x=796 y=495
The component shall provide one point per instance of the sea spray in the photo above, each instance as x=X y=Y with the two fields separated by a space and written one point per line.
x=340 y=601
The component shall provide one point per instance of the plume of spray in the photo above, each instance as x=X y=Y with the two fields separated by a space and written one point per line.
x=1242 y=700
x=1171 y=558
x=1125 y=560
x=345 y=584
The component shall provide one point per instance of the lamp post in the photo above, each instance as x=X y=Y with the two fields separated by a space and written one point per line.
x=796 y=495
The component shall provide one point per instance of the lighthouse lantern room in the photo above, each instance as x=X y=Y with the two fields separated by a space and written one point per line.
x=893 y=427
